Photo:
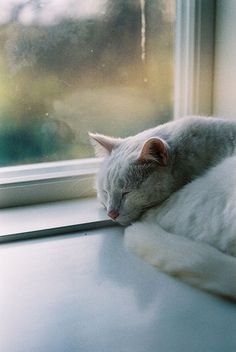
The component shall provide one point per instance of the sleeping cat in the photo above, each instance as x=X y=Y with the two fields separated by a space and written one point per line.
x=178 y=182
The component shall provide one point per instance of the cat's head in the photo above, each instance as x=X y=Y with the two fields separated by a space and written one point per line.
x=134 y=175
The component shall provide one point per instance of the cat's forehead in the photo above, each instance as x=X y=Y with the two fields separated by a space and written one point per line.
x=119 y=168
x=112 y=174
x=125 y=174
x=116 y=172
x=122 y=157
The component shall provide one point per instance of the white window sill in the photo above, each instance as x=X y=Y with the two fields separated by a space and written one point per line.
x=41 y=220
x=47 y=182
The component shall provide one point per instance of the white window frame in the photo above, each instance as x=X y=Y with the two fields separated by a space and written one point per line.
x=194 y=65
x=47 y=182
x=194 y=57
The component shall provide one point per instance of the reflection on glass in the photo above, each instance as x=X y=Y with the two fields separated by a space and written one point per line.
x=72 y=66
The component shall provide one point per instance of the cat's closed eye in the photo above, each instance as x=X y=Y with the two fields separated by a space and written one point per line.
x=124 y=194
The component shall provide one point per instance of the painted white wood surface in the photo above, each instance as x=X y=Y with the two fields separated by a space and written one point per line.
x=225 y=57
x=85 y=293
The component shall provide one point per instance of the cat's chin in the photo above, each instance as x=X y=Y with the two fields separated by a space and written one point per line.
x=124 y=222
x=128 y=218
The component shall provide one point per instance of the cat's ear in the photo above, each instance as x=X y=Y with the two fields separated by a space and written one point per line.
x=155 y=149
x=103 y=145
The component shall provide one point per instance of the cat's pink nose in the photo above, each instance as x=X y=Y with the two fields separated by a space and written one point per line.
x=113 y=214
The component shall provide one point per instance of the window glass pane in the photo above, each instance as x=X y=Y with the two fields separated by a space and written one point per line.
x=72 y=66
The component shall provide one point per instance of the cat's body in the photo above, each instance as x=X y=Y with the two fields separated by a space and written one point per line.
x=165 y=169
x=204 y=210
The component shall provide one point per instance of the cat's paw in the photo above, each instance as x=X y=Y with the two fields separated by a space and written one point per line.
x=144 y=240
x=195 y=263
x=134 y=240
x=165 y=251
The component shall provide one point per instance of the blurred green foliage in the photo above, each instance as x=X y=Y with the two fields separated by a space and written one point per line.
x=62 y=79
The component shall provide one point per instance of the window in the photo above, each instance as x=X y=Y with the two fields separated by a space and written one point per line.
x=225 y=56
x=70 y=66
x=54 y=87
x=109 y=66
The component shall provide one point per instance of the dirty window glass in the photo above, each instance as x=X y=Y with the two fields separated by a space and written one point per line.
x=72 y=66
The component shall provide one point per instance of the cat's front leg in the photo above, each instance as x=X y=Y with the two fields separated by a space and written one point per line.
x=193 y=262
x=146 y=241
x=158 y=247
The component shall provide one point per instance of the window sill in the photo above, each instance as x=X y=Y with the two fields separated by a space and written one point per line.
x=48 y=219
x=47 y=182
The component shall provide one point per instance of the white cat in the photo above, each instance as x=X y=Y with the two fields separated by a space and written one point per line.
x=159 y=178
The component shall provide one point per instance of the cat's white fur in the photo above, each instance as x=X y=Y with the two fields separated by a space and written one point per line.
x=203 y=211
x=190 y=230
